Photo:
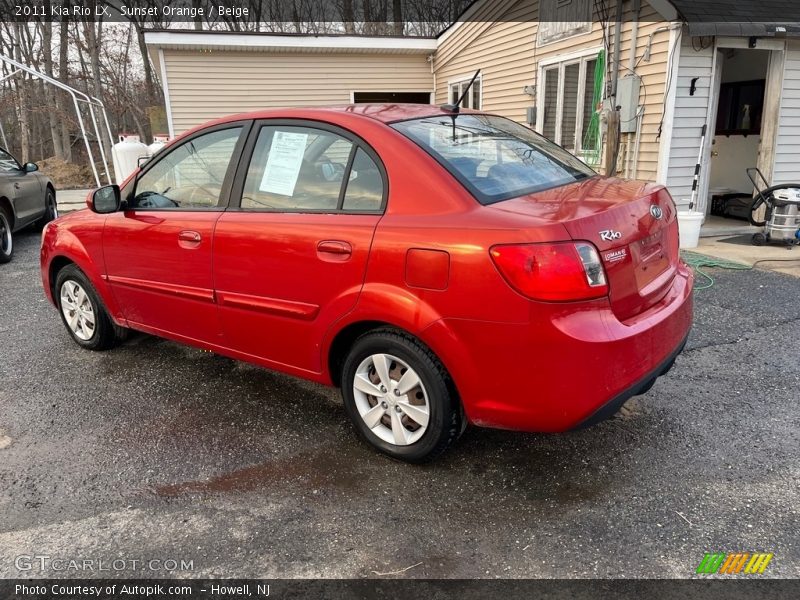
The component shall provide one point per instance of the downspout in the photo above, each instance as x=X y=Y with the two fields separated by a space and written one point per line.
x=613 y=141
x=639 y=120
x=432 y=59
x=617 y=44
x=637 y=8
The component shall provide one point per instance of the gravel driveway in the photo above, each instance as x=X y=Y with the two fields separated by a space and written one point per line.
x=158 y=451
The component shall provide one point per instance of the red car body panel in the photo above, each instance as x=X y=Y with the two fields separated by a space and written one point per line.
x=303 y=285
x=158 y=279
x=276 y=289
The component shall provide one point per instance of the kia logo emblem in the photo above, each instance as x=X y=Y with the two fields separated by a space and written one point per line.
x=656 y=212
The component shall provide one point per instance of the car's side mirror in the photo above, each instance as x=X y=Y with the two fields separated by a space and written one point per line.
x=105 y=200
x=30 y=167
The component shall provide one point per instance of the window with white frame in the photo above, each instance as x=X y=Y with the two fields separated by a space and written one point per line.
x=473 y=98
x=559 y=19
x=566 y=104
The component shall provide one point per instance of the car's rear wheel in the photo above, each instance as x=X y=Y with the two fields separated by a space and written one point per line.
x=400 y=397
x=50 y=210
x=82 y=312
x=6 y=239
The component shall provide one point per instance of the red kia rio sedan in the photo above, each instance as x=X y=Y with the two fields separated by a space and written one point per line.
x=440 y=267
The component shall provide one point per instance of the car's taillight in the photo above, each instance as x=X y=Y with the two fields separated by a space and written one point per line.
x=555 y=272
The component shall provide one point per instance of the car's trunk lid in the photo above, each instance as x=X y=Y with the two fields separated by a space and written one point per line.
x=633 y=225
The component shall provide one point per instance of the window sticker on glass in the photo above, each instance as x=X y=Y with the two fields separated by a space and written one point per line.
x=284 y=162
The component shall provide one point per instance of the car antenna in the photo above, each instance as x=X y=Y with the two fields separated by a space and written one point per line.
x=454 y=109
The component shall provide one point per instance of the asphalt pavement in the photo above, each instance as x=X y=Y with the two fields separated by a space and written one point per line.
x=156 y=451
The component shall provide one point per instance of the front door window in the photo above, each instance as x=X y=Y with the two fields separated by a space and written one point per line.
x=190 y=177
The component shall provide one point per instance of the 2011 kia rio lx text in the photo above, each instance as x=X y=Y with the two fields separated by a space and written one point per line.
x=442 y=267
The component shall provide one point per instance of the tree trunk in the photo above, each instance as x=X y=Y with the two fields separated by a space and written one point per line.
x=398 y=24
x=369 y=24
x=46 y=28
x=94 y=42
x=22 y=99
x=198 y=20
x=149 y=85
x=63 y=75
x=348 y=16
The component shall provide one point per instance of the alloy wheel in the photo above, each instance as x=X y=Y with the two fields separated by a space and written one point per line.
x=52 y=210
x=391 y=399
x=78 y=310
x=5 y=235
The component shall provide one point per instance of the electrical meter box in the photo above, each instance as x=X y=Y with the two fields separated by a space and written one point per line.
x=628 y=101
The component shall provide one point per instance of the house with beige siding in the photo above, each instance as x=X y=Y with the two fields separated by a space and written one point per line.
x=629 y=86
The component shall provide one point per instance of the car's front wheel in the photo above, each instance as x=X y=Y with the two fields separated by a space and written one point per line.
x=400 y=397
x=82 y=312
x=6 y=239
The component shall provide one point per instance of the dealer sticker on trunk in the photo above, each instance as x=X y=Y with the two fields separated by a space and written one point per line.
x=615 y=255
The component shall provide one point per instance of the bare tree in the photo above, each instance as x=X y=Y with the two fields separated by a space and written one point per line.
x=52 y=99
x=63 y=74
x=397 y=17
x=21 y=82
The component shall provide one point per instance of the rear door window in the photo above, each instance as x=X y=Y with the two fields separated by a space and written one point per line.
x=364 y=185
x=305 y=169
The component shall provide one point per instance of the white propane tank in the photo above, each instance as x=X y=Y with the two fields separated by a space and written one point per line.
x=126 y=156
x=155 y=147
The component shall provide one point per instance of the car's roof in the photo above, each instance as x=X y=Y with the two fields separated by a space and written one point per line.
x=383 y=113
x=386 y=113
x=390 y=113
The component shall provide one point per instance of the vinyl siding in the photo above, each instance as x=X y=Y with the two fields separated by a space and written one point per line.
x=690 y=116
x=787 y=149
x=504 y=51
x=204 y=85
x=501 y=41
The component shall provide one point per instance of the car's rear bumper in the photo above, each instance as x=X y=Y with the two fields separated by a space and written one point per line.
x=567 y=367
x=610 y=408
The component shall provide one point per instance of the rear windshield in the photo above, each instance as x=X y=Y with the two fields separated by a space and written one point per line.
x=493 y=157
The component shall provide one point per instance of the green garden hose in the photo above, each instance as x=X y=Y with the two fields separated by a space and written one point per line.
x=591 y=139
x=698 y=262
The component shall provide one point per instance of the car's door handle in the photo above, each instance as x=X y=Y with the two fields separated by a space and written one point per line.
x=189 y=236
x=16 y=185
x=336 y=247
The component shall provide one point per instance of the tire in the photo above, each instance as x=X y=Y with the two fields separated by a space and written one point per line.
x=102 y=335
x=50 y=210
x=6 y=237
x=389 y=410
x=759 y=239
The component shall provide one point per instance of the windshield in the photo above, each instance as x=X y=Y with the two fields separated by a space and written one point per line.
x=493 y=157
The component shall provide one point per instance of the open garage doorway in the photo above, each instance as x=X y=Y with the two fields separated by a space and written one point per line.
x=392 y=97
x=737 y=136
